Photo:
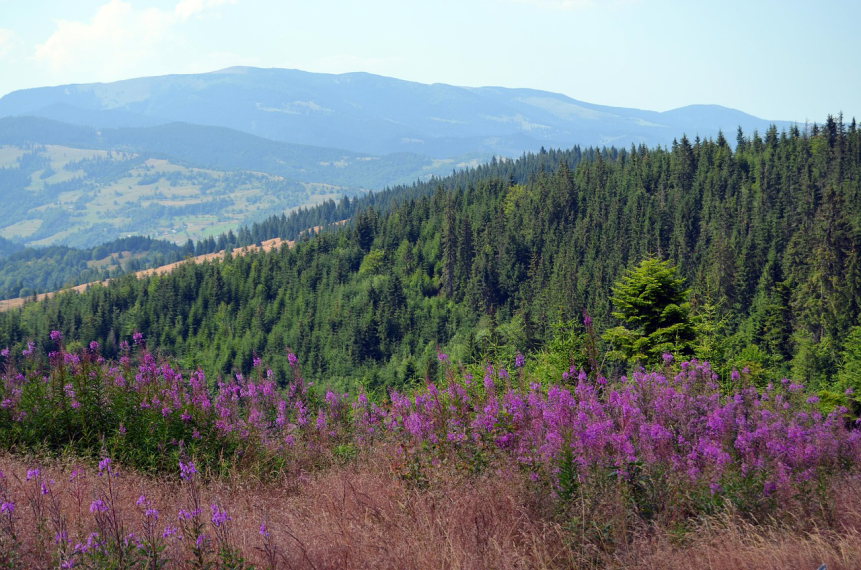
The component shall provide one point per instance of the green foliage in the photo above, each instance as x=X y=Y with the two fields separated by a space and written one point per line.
x=565 y=349
x=849 y=375
x=483 y=262
x=652 y=301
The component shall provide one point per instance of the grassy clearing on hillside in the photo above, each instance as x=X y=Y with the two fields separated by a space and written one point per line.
x=75 y=190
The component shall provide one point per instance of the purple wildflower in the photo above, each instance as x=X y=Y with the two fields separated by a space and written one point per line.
x=219 y=517
x=105 y=465
x=519 y=360
x=187 y=470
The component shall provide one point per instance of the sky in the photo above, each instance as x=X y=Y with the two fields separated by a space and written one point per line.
x=776 y=59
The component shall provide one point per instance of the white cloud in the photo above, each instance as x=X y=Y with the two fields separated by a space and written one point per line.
x=185 y=9
x=7 y=41
x=117 y=37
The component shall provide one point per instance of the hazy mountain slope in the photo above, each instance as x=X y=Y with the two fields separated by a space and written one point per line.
x=227 y=149
x=79 y=186
x=8 y=247
x=58 y=194
x=369 y=113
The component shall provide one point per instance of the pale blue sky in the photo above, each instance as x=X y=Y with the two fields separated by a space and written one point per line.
x=777 y=59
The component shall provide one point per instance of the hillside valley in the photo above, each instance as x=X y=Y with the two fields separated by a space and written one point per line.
x=80 y=187
x=505 y=257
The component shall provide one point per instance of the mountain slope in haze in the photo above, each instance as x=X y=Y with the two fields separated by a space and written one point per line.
x=221 y=148
x=8 y=247
x=78 y=186
x=81 y=197
x=368 y=113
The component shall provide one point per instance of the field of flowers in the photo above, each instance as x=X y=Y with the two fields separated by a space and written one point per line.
x=572 y=473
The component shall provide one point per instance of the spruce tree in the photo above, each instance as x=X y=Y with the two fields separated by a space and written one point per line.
x=652 y=301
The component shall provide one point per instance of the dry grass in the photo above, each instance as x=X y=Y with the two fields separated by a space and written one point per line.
x=366 y=516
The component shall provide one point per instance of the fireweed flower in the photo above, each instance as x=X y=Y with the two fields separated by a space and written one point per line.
x=187 y=470
x=185 y=515
x=219 y=517
x=292 y=359
x=519 y=360
x=98 y=506
x=105 y=466
x=7 y=508
x=56 y=336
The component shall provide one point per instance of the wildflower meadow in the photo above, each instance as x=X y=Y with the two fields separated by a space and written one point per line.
x=600 y=461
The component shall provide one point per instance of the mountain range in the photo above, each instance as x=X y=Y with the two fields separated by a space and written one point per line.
x=186 y=156
x=368 y=113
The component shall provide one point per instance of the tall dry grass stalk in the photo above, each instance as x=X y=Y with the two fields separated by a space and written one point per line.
x=365 y=515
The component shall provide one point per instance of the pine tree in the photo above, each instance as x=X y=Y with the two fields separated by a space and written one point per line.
x=653 y=302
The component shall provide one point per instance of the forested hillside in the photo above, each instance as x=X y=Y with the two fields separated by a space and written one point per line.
x=767 y=236
x=46 y=269
x=7 y=247
x=27 y=271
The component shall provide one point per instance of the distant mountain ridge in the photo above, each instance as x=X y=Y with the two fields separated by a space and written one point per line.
x=227 y=149
x=79 y=186
x=367 y=113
